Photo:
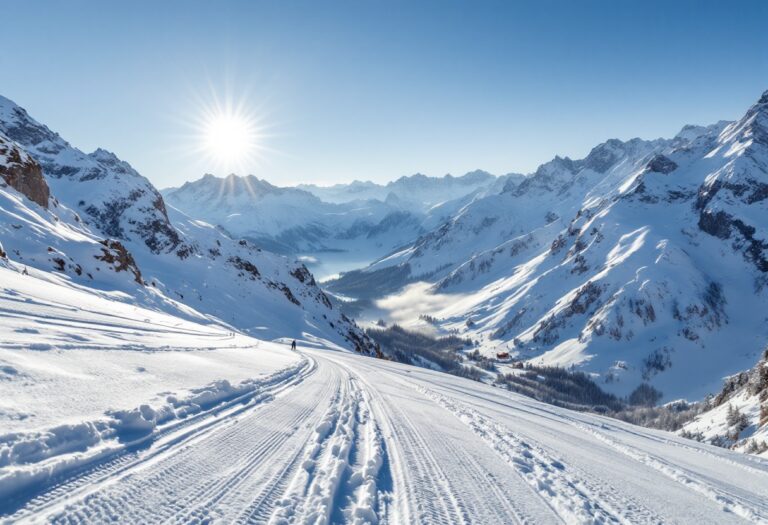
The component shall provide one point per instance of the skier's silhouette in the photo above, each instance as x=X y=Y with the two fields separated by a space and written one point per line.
x=293 y=345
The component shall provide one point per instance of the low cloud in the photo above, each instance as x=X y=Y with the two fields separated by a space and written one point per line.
x=405 y=307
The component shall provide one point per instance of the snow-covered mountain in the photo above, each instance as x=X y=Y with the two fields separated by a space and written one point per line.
x=292 y=220
x=105 y=228
x=419 y=192
x=643 y=262
x=336 y=235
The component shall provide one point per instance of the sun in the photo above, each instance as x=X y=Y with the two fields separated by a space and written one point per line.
x=229 y=138
x=226 y=134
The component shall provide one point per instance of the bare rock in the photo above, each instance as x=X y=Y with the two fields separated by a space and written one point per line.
x=120 y=258
x=22 y=173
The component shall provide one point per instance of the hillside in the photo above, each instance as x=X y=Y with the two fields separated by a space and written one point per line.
x=644 y=262
x=94 y=221
x=199 y=424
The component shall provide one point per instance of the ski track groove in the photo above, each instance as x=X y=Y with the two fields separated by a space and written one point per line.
x=361 y=481
x=342 y=449
x=197 y=506
x=519 y=514
x=82 y=490
x=450 y=504
x=748 y=458
x=755 y=512
x=431 y=507
x=603 y=503
x=387 y=499
x=467 y=503
x=328 y=478
x=743 y=458
x=469 y=467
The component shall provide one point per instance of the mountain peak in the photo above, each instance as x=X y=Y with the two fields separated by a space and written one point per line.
x=104 y=155
x=604 y=155
x=752 y=128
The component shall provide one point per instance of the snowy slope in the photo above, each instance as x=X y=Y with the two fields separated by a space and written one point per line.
x=108 y=228
x=737 y=417
x=83 y=371
x=338 y=438
x=643 y=262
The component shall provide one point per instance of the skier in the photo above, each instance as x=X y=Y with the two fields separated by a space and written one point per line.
x=293 y=345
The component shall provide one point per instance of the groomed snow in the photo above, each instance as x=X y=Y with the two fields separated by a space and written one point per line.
x=81 y=372
x=157 y=419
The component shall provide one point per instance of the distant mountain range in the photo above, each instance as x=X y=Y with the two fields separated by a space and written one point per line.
x=346 y=217
x=419 y=191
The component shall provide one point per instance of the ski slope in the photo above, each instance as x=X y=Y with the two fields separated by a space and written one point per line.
x=113 y=412
x=339 y=438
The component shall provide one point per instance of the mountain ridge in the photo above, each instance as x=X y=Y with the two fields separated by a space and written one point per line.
x=644 y=262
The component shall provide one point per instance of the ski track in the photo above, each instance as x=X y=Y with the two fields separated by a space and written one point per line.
x=444 y=481
x=351 y=440
x=59 y=503
x=575 y=497
x=702 y=481
x=755 y=511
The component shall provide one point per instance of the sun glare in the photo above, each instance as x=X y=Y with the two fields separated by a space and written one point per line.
x=228 y=135
x=229 y=138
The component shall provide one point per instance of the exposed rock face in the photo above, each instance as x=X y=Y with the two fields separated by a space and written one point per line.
x=303 y=275
x=22 y=173
x=661 y=164
x=120 y=258
x=731 y=203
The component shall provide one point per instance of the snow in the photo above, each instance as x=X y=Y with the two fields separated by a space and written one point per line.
x=115 y=412
x=80 y=371
x=645 y=252
x=150 y=380
x=417 y=192
x=342 y=227
x=736 y=416
x=291 y=220
x=330 y=437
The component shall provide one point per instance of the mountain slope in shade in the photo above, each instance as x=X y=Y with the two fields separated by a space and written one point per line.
x=643 y=262
x=108 y=228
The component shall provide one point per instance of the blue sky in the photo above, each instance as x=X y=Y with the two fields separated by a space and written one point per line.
x=378 y=89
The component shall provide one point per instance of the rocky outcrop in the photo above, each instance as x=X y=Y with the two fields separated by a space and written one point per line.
x=22 y=173
x=303 y=275
x=120 y=258
x=721 y=224
x=661 y=164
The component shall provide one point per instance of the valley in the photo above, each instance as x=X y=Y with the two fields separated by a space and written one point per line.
x=604 y=263
x=384 y=263
x=635 y=265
